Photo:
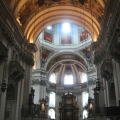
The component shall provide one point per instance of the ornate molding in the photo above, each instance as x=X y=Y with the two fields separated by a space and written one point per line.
x=43 y=82
x=32 y=47
x=40 y=82
x=3 y=53
x=79 y=88
x=35 y=81
x=16 y=71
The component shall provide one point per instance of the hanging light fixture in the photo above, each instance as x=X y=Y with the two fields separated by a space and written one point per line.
x=98 y=85
x=3 y=86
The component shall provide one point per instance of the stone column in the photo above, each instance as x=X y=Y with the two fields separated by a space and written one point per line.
x=18 y=101
x=115 y=77
x=5 y=68
x=57 y=106
x=27 y=84
x=96 y=97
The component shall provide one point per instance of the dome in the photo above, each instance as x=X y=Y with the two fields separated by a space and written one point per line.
x=65 y=37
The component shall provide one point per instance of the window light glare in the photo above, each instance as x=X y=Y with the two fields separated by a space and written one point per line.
x=83 y=78
x=66 y=27
x=53 y=78
x=49 y=27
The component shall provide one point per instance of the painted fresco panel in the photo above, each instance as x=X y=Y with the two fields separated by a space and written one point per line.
x=83 y=36
x=66 y=40
x=48 y=37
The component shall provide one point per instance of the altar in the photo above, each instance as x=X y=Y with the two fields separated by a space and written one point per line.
x=68 y=108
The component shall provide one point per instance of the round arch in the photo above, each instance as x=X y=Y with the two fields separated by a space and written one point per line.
x=54 y=15
x=80 y=60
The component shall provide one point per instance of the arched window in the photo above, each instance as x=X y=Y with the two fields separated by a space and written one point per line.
x=52 y=99
x=51 y=113
x=10 y=92
x=52 y=78
x=83 y=78
x=85 y=98
x=68 y=79
x=85 y=114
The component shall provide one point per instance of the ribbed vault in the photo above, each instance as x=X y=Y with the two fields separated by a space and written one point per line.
x=66 y=58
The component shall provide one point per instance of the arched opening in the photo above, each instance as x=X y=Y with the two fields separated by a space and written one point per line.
x=52 y=78
x=68 y=79
x=52 y=99
x=83 y=78
x=85 y=114
x=51 y=113
x=10 y=102
x=10 y=92
x=84 y=98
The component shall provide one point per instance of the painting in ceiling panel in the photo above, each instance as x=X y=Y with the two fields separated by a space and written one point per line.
x=45 y=53
x=95 y=8
x=26 y=12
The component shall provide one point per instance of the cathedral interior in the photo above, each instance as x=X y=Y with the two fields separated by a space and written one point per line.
x=59 y=59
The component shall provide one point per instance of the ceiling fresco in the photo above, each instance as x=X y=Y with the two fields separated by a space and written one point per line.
x=36 y=15
x=28 y=10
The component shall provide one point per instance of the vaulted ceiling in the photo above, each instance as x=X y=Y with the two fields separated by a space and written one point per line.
x=34 y=16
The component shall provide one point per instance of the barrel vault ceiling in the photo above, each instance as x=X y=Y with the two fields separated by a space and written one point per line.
x=34 y=16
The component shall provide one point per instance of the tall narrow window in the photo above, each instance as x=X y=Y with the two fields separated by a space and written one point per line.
x=53 y=78
x=83 y=78
x=84 y=98
x=68 y=79
x=52 y=99
x=65 y=27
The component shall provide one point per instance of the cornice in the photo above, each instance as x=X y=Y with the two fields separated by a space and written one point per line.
x=39 y=82
x=79 y=88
